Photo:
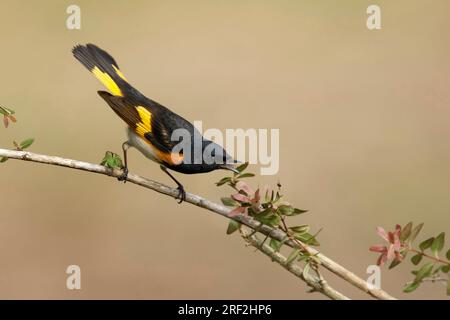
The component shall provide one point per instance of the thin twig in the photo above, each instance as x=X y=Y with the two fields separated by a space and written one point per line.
x=435 y=259
x=276 y=234
x=317 y=286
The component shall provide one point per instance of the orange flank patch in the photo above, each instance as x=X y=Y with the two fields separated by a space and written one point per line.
x=170 y=158
x=143 y=127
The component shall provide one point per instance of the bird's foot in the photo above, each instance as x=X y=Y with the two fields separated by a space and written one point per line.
x=123 y=177
x=181 y=194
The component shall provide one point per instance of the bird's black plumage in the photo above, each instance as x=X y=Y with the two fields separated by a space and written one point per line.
x=152 y=122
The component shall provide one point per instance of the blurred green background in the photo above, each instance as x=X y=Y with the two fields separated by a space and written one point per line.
x=364 y=130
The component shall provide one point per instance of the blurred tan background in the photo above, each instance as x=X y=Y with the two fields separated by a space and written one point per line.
x=364 y=133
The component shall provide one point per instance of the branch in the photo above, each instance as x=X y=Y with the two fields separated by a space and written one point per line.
x=320 y=286
x=276 y=234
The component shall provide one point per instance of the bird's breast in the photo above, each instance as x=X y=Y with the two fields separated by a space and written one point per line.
x=142 y=145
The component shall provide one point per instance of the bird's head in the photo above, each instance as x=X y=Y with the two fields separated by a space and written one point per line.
x=218 y=157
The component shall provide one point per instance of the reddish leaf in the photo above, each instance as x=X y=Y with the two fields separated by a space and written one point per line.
x=382 y=233
x=391 y=252
x=240 y=197
x=257 y=197
x=398 y=256
x=381 y=260
x=391 y=237
x=241 y=185
x=236 y=211
x=378 y=248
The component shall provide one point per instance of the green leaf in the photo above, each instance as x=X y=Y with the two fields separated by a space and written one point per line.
x=307 y=238
x=112 y=160
x=424 y=272
x=445 y=269
x=266 y=196
x=310 y=274
x=298 y=211
x=411 y=287
x=6 y=111
x=3 y=159
x=278 y=197
x=26 y=143
x=300 y=229
x=242 y=167
x=229 y=202
x=270 y=219
x=223 y=181
x=448 y=255
x=415 y=232
x=233 y=226
x=436 y=271
x=406 y=232
x=285 y=210
x=307 y=273
x=438 y=243
x=448 y=287
x=245 y=175
x=426 y=244
x=394 y=263
x=294 y=254
x=275 y=245
x=416 y=259
x=290 y=211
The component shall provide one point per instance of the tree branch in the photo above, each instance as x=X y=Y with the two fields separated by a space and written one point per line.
x=277 y=234
x=320 y=286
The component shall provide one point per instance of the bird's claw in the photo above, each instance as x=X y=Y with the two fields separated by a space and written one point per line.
x=123 y=177
x=181 y=194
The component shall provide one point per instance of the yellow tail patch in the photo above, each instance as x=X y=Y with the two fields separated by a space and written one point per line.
x=107 y=81
x=119 y=73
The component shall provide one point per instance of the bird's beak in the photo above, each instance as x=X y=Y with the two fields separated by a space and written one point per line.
x=228 y=166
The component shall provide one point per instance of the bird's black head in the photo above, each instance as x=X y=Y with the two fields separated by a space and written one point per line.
x=209 y=157
x=218 y=157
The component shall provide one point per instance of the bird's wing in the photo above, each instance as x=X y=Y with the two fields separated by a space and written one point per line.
x=154 y=125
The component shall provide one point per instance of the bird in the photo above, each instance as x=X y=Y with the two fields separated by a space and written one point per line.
x=152 y=128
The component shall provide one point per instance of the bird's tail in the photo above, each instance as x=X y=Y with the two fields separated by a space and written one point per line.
x=104 y=68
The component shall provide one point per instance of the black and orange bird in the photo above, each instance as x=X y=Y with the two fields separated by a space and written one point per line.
x=152 y=128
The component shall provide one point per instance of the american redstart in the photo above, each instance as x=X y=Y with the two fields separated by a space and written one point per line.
x=153 y=129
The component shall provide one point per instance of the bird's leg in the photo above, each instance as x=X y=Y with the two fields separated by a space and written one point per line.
x=123 y=177
x=182 y=193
